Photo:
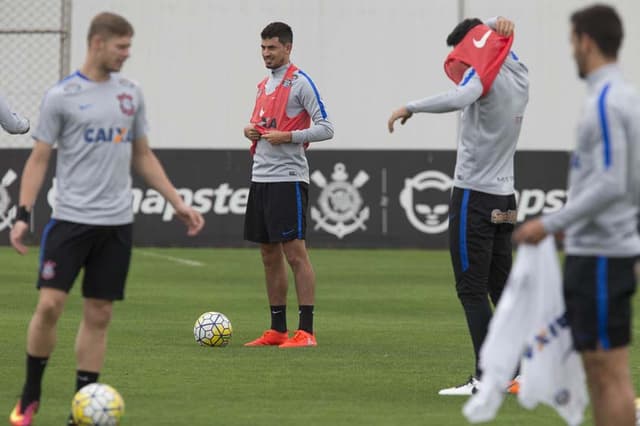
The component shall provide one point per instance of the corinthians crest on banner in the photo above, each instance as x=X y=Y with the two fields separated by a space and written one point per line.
x=341 y=206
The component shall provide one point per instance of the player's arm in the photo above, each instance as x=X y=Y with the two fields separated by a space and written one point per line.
x=147 y=165
x=32 y=177
x=309 y=97
x=306 y=93
x=467 y=92
x=10 y=121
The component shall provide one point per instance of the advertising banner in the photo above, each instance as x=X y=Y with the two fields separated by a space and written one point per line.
x=372 y=199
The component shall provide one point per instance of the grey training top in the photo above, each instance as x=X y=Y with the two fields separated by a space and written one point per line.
x=10 y=121
x=288 y=162
x=600 y=216
x=94 y=125
x=489 y=128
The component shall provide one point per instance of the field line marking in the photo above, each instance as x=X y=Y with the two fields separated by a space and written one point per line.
x=180 y=260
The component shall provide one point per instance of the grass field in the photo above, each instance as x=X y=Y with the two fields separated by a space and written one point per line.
x=389 y=326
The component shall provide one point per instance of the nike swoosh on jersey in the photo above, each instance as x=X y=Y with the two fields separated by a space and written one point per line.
x=480 y=43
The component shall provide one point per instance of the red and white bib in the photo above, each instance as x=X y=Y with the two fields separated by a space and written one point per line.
x=270 y=111
x=484 y=50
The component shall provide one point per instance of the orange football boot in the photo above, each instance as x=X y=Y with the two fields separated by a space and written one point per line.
x=269 y=338
x=514 y=386
x=18 y=418
x=299 y=340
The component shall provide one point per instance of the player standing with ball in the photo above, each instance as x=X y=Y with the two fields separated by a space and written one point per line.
x=287 y=103
x=97 y=118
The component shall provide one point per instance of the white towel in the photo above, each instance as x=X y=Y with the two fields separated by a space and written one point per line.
x=529 y=327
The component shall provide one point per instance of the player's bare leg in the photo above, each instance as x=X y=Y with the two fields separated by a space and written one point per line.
x=610 y=386
x=276 y=277
x=275 y=273
x=305 y=279
x=41 y=337
x=91 y=341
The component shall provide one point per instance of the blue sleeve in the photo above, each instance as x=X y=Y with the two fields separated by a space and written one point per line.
x=309 y=96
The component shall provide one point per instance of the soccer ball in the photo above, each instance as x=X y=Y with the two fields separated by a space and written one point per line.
x=97 y=404
x=212 y=329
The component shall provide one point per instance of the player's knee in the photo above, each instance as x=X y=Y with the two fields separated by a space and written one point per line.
x=49 y=310
x=297 y=259
x=601 y=372
x=98 y=315
x=271 y=254
x=470 y=297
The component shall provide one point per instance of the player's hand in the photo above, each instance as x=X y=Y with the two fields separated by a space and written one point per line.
x=276 y=137
x=191 y=217
x=531 y=232
x=17 y=233
x=251 y=133
x=504 y=27
x=401 y=114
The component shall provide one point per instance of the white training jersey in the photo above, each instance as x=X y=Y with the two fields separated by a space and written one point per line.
x=94 y=125
x=600 y=217
x=489 y=126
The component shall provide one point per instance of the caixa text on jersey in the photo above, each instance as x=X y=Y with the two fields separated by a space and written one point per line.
x=110 y=134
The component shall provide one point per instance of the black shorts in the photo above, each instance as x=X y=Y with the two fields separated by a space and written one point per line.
x=598 y=292
x=276 y=212
x=480 y=228
x=103 y=251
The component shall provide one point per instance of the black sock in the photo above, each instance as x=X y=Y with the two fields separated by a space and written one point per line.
x=306 y=318
x=478 y=318
x=279 y=318
x=33 y=383
x=83 y=378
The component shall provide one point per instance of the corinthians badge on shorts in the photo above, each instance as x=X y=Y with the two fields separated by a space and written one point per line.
x=48 y=270
x=341 y=206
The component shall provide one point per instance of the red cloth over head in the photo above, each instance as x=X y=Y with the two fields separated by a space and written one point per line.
x=484 y=50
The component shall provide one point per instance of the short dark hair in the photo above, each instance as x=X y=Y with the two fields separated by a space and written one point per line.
x=603 y=25
x=278 y=29
x=461 y=30
x=109 y=24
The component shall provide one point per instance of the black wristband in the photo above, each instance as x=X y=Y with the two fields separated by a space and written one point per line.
x=23 y=214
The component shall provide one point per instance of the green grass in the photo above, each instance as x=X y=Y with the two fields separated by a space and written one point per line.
x=390 y=330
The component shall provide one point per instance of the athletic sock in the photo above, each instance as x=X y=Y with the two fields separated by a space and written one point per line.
x=83 y=378
x=279 y=318
x=306 y=318
x=478 y=318
x=33 y=384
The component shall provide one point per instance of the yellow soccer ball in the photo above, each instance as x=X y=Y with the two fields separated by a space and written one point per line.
x=212 y=329
x=97 y=404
